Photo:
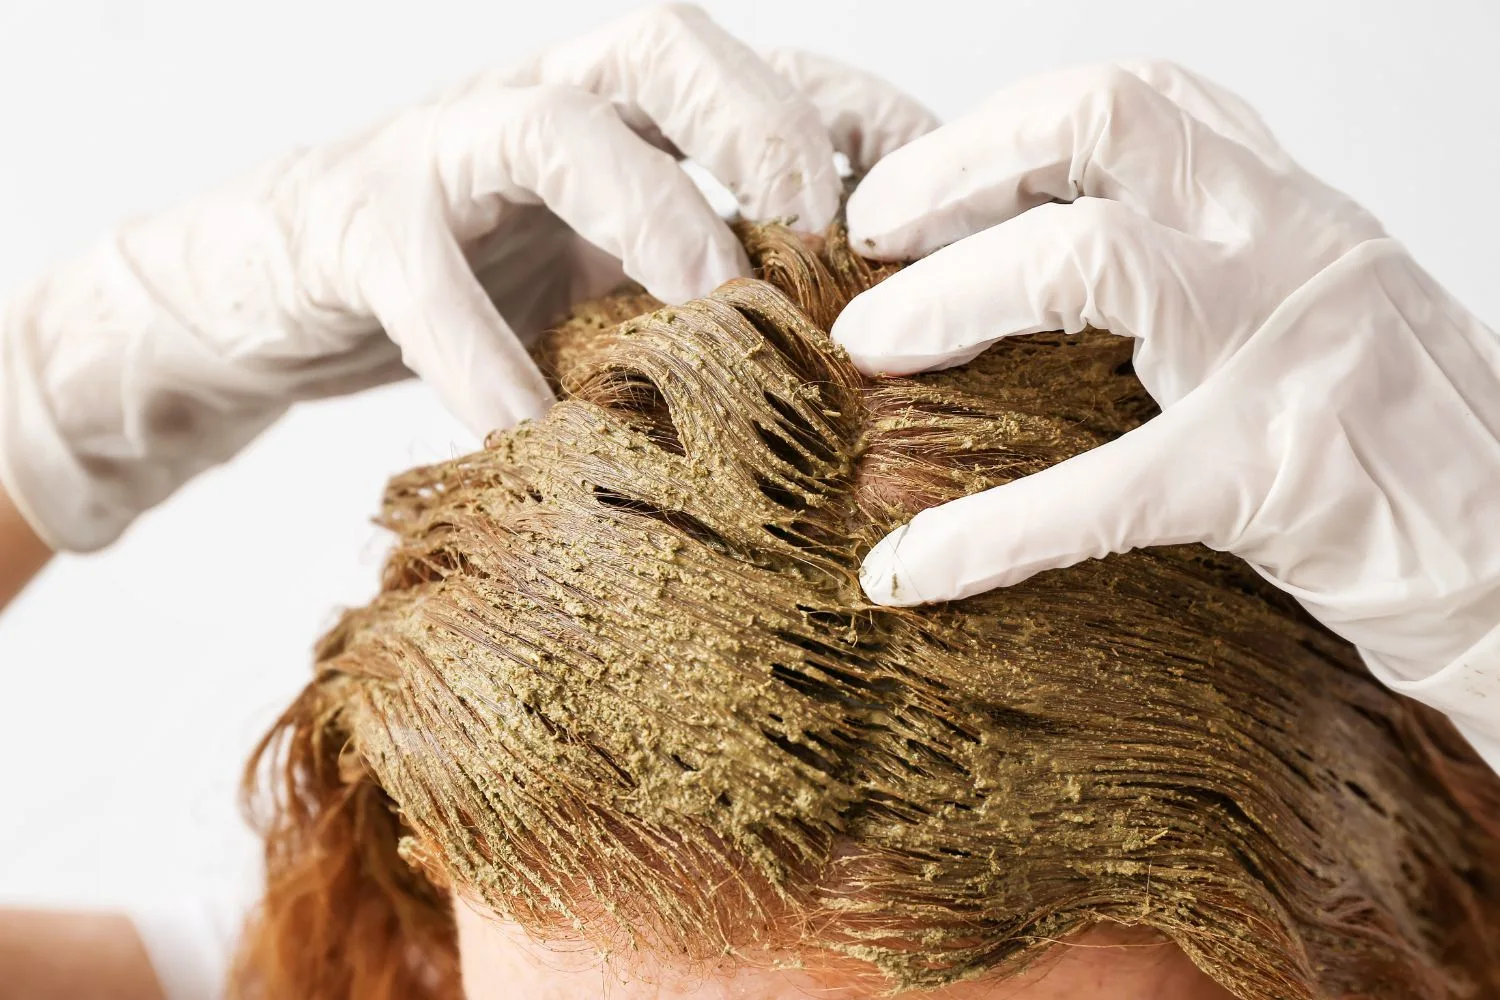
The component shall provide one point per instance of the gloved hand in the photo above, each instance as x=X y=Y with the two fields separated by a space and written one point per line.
x=1329 y=412
x=441 y=241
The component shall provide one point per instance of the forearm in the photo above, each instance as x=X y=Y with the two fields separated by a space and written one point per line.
x=22 y=553
x=46 y=955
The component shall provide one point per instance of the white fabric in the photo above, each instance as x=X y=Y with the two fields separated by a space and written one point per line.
x=1467 y=690
x=439 y=241
x=1329 y=412
x=191 y=942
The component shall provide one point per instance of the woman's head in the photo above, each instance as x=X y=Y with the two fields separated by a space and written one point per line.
x=621 y=687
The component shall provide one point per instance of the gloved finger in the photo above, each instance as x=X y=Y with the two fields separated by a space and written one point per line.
x=1217 y=107
x=1059 y=267
x=866 y=117
x=1098 y=132
x=367 y=362
x=540 y=269
x=1166 y=482
x=419 y=286
x=673 y=68
x=568 y=150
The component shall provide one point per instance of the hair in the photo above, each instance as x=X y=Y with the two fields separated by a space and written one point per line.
x=621 y=684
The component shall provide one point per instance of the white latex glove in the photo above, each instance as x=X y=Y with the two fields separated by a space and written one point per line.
x=1329 y=412
x=441 y=240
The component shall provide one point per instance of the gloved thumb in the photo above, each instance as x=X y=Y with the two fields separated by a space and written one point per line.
x=1152 y=486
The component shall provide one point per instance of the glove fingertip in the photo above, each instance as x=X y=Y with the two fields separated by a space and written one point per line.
x=877 y=227
x=805 y=198
x=851 y=331
x=821 y=198
x=876 y=330
x=503 y=411
x=881 y=574
x=693 y=273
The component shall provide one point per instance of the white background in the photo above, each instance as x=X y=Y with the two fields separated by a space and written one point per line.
x=133 y=683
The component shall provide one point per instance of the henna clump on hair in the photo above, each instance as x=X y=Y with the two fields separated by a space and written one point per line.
x=621 y=683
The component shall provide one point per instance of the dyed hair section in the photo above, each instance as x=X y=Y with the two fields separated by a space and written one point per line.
x=621 y=683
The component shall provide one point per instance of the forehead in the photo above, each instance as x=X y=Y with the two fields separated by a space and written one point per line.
x=1105 y=963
